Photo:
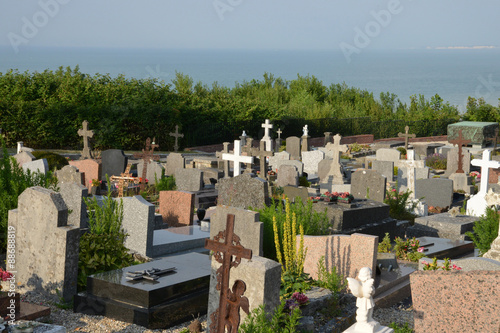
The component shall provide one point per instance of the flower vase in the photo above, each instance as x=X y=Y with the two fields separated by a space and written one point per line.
x=201 y=214
x=95 y=190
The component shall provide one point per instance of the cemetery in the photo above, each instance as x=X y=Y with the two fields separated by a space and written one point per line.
x=328 y=234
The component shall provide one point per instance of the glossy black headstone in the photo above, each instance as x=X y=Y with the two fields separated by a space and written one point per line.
x=114 y=162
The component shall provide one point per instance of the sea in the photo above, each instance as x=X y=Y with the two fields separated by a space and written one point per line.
x=453 y=74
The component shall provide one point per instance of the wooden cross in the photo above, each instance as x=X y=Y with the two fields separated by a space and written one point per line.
x=486 y=164
x=226 y=163
x=460 y=142
x=176 y=135
x=147 y=156
x=224 y=252
x=237 y=158
x=406 y=136
x=86 y=134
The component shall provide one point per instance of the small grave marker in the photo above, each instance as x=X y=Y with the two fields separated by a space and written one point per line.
x=176 y=135
x=86 y=134
x=267 y=138
x=278 y=141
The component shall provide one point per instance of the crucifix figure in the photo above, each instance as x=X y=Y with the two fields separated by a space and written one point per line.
x=406 y=136
x=176 y=135
x=460 y=142
x=218 y=154
x=149 y=274
x=86 y=134
x=335 y=174
x=226 y=246
x=237 y=158
x=147 y=156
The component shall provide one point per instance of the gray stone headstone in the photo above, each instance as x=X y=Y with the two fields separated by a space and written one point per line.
x=174 y=161
x=385 y=168
x=387 y=154
x=138 y=223
x=190 y=180
x=114 y=163
x=437 y=192
x=311 y=160
x=402 y=178
x=47 y=248
x=328 y=152
x=292 y=192
x=154 y=170
x=297 y=164
x=274 y=160
x=70 y=174
x=324 y=167
x=368 y=184
x=36 y=166
x=287 y=175
x=452 y=161
x=243 y=191
x=73 y=195
x=293 y=147
x=427 y=149
x=24 y=157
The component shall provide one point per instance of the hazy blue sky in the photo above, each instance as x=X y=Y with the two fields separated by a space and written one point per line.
x=270 y=24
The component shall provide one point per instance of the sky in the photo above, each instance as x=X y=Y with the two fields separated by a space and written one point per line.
x=347 y=25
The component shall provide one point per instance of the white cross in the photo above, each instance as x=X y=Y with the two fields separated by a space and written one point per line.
x=267 y=126
x=237 y=158
x=485 y=165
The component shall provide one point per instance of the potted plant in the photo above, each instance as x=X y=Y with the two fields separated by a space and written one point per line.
x=95 y=186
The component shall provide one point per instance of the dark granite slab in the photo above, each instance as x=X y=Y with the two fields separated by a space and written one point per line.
x=173 y=240
x=445 y=248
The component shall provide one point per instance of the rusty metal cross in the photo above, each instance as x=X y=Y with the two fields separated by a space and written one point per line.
x=224 y=252
x=147 y=156
x=460 y=142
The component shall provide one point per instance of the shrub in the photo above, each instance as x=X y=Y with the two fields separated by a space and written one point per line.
x=54 y=160
x=165 y=184
x=303 y=181
x=385 y=245
x=399 y=204
x=485 y=230
x=258 y=320
x=402 y=150
x=331 y=280
x=436 y=161
x=408 y=249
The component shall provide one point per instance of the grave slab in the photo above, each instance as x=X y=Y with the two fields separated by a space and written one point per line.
x=368 y=184
x=287 y=176
x=292 y=192
x=385 y=168
x=445 y=248
x=189 y=179
x=293 y=147
x=172 y=299
x=243 y=191
x=90 y=169
x=174 y=161
x=179 y=239
x=36 y=166
x=386 y=154
x=442 y=226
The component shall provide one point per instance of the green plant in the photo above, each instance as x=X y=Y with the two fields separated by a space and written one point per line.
x=434 y=265
x=399 y=204
x=485 y=230
x=303 y=181
x=385 y=245
x=355 y=147
x=463 y=209
x=165 y=183
x=408 y=249
x=395 y=171
x=61 y=303
x=280 y=322
x=55 y=161
x=400 y=328
x=436 y=161
x=402 y=150
x=332 y=281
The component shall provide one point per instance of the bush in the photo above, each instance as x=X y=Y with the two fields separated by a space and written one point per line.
x=408 y=249
x=485 y=231
x=331 y=280
x=258 y=321
x=54 y=160
x=436 y=161
x=165 y=184
x=398 y=203
x=385 y=245
x=402 y=150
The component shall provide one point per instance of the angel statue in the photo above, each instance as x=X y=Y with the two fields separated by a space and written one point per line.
x=364 y=290
x=305 y=131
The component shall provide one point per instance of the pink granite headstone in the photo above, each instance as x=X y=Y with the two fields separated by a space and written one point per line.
x=176 y=208
x=347 y=253
x=91 y=169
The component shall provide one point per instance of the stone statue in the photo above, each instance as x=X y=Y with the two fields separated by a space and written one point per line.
x=364 y=290
x=244 y=133
x=305 y=130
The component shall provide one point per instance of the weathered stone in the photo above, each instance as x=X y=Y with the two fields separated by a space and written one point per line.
x=462 y=182
x=273 y=161
x=292 y=192
x=90 y=169
x=311 y=160
x=114 y=162
x=243 y=191
x=297 y=164
x=138 y=223
x=189 y=179
x=368 y=184
x=287 y=175
x=174 y=161
x=73 y=195
x=323 y=167
x=36 y=166
x=387 y=154
x=293 y=147
x=154 y=171
x=70 y=174
x=437 y=192
x=385 y=168
x=452 y=161
x=24 y=157
x=176 y=208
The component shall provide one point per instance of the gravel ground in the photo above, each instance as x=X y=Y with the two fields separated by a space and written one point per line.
x=76 y=322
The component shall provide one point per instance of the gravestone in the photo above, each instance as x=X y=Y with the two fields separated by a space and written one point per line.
x=90 y=169
x=409 y=168
x=274 y=160
x=73 y=194
x=278 y=141
x=24 y=157
x=41 y=227
x=460 y=142
x=385 y=168
x=406 y=135
x=190 y=180
x=324 y=167
x=335 y=174
x=86 y=134
x=237 y=158
x=267 y=138
x=174 y=161
x=36 y=166
x=476 y=205
x=292 y=192
x=176 y=208
x=262 y=155
x=154 y=171
x=138 y=223
x=328 y=138
x=297 y=164
x=146 y=156
x=387 y=154
x=293 y=147
x=176 y=135
x=311 y=160
x=114 y=162
x=243 y=191
x=70 y=174
x=437 y=192
x=442 y=225
x=368 y=184
x=427 y=149
x=452 y=161
x=462 y=182
x=287 y=175
x=225 y=164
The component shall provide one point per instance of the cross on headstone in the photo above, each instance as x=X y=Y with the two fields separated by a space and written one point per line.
x=262 y=153
x=406 y=136
x=337 y=149
x=248 y=149
x=486 y=164
x=176 y=135
x=225 y=163
x=460 y=142
x=267 y=138
x=86 y=134
x=278 y=141
x=147 y=156
x=149 y=274
x=411 y=164
x=237 y=158
x=224 y=253
x=279 y=133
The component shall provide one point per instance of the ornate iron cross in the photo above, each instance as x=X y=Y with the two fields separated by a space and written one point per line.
x=226 y=246
x=460 y=142
x=147 y=156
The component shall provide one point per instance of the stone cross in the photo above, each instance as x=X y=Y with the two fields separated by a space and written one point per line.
x=262 y=154
x=147 y=156
x=406 y=136
x=86 y=134
x=223 y=253
x=337 y=149
x=237 y=158
x=225 y=163
x=486 y=164
x=279 y=133
x=248 y=149
x=278 y=141
x=267 y=138
x=176 y=135
x=460 y=142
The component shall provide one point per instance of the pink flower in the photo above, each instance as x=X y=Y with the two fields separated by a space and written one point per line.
x=421 y=249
